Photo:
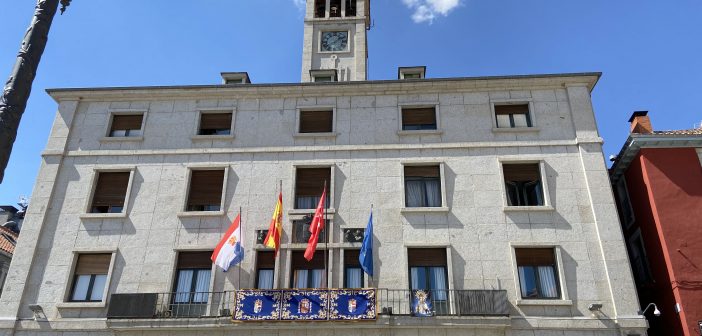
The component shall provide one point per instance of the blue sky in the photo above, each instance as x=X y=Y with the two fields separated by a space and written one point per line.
x=649 y=52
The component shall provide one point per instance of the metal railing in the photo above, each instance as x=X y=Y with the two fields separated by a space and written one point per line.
x=390 y=302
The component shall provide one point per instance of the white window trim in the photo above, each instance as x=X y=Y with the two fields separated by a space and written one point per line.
x=629 y=221
x=548 y=206
x=349 y=38
x=437 y=112
x=519 y=101
x=565 y=298
x=68 y=288
x=300 y=109
x=301 y=212
x=184 y=205
x=444 y=206
x=111 y=113
x=93 y=184
x=214 y=110
x=174 y=270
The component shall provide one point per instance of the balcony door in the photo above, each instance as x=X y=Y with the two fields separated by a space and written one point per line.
x=308 y=274
x=428 y=272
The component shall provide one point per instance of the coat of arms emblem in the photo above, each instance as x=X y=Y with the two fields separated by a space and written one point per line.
x=352 y=305
x=258 y=306
x=305 y=307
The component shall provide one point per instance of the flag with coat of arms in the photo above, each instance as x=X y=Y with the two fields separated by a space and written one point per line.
x=230 y=250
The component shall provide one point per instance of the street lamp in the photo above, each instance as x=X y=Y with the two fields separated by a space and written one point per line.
x=656 y=312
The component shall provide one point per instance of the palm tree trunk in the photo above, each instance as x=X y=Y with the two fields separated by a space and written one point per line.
x=17 y=89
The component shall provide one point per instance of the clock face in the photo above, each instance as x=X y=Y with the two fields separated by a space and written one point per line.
x=335 y=40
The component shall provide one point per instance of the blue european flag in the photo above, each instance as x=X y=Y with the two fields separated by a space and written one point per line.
x=366 y=255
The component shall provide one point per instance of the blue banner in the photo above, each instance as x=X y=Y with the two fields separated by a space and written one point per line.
x=257 y=305
x=305 y=305
x=352 y=304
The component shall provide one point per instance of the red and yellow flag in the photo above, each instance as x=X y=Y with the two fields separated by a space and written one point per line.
x=276 y=228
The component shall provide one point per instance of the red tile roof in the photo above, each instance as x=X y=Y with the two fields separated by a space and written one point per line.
x=8 y=239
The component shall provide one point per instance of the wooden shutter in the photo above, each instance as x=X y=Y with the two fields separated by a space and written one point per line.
x=426 y=257
x=512 y=109
x=206 y=187
x=351 y=258
x=316 y=121
x=111 y=188
x=422 y=171
x=535 y=256
x=521 y=172
x=215 y=121
x=126 y=122
x=195 y=260
x=310 y=181
x=419 y=116
x=265 y=259
x=299 y=261
x=93 y=263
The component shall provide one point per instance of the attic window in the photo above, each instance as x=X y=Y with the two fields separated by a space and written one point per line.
x=323 y=75
x=215 y=124
x=126 y=125
x=417 y=72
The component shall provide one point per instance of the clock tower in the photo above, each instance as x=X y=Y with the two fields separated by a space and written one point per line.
x=335 y=45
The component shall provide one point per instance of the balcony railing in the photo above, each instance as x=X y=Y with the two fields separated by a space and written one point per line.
x=390 y=302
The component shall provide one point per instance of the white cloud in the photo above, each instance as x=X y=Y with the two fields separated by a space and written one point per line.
x=300 y=4
x=428 y=10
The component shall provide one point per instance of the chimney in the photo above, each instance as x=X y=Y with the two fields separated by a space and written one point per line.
x=640 y=123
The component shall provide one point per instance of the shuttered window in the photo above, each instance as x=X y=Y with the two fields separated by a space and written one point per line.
x=265 y=266
x=205 y=190
x=423 y=186
x=426 y=256
x=537 y=273
x=422 y=118
x=192 y=283
x=523 y=184
x=308 y=274
x=510 y=116
x=126 y=125
x=90 y=277
x=319 y=121
x=309 y=183
x=215 y=123
x=110 y=192
x=428 y=272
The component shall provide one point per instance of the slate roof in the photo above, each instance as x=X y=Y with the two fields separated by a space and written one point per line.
x=694 y=131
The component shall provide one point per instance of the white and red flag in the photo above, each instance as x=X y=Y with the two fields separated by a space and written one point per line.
x=230 y=250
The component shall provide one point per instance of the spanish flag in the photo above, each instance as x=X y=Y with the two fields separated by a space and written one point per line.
x=276 y=228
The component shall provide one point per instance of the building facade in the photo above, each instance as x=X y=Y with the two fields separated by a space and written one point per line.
x=490 y=195
x=657 y=178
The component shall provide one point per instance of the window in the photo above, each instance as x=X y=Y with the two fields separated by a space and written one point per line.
x=308 y=274
x=215 y=124
x=205 y=190
x=320 y=8
x=423 y=186
x=90 y=277
x=126 y=125
x=428 y=272
x=511 y=116
x=639 y=260
x=626 y=213
x=350 y=7
x=332 y=41
x=110 y=192
x=301 y=231
x=320 y=79
x=335 y=8
x=418 y=118
x=316 y=121
x=309 y=184
x=523 y=184
x=416 y=72
x=265 y=267
x=193 y=279
x=353 y=273
x=537 y=273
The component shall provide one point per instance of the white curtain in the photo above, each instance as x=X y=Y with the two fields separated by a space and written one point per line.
x=547 y=276
x=185 y=280
x=438 y=281
x=433 y=193
x=523 y=282
x=202 y=285
x=300 y=279
x=503 y=121
x=318 y=279
x=98 y=287
x=415 y=272
x=80 y=290
x=520 y=120
x=265 y=279
x=414 y=191
x=307 y=202
x=354 y=278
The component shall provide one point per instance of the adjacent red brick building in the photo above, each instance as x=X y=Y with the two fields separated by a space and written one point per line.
x=657 y=180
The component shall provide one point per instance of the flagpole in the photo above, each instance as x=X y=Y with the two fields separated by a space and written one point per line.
x=326 y=239
x=241 y=229
x=372 y=271
x=277 y=247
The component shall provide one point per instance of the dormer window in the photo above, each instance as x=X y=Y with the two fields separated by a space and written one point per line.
x=323 y=75
x=417 y=72
x=235 y=78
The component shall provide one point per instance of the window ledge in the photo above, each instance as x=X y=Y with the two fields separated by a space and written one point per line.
x=118 y=139
x=420 y=132
x=212 y=137
x=515 y=129
x=425 y=209
x=101 y=215
x=77 y=305
x=329 y=211
x=528 y=208
x=544 y=302
x=200 y=213
x=315 y=135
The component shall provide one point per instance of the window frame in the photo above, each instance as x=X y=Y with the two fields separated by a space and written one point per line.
x=93 y=185
x=621 y=187
x=345 y=267
x=320 y=108
x=70 y=280
x=173 y=277
x=448 y=267
x=290 y=266
x=324 y=73
x=214 y=110
x=521 y=101
x=330 y=196
x=257 y=268
x=437 y=117
x=184 y=206
x=442 y=179
x=548 y=206
x=637 y=236
x=564 y=299
x=111 y=113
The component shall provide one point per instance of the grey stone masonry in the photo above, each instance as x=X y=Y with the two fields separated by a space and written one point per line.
x=367 y=151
